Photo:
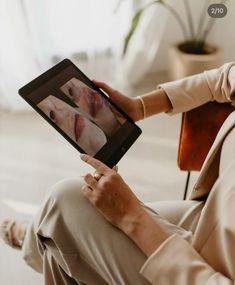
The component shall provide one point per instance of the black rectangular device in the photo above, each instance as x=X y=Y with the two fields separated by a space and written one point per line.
x=85 y=116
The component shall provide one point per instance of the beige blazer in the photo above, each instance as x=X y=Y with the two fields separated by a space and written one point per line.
x=210 y=259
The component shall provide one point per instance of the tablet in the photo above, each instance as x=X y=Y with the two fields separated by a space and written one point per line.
x=85 y=116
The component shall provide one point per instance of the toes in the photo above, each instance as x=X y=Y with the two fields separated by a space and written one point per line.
x=13 y=232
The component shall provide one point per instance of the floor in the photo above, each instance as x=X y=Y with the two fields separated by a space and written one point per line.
x=33 y=157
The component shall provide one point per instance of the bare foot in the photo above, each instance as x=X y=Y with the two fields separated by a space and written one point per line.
x=13 y=232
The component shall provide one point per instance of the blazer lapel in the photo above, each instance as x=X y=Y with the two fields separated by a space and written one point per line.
x=210 y=169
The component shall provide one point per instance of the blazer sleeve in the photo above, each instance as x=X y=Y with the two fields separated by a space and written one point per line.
x=176 y=263
x=193 y=91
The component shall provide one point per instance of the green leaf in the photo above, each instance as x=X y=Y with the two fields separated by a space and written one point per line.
x=134 y=24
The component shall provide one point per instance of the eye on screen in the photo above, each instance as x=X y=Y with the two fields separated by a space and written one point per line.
x=89 y=120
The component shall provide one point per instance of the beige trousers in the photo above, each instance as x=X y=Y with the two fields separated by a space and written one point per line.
x=71 y=243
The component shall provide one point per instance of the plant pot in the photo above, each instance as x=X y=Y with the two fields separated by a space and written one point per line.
x=183 y=64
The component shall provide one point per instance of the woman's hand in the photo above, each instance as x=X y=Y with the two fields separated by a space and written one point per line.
x=117 y=203
x=131 y=106
x=111 y=195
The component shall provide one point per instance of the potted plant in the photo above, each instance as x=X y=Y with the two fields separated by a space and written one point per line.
x=194 y=53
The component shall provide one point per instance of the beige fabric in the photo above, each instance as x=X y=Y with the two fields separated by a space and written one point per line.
x=190 y=92
x=210 y=259
x=69 y=241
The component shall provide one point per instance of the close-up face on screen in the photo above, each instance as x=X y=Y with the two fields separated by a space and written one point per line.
x=88 y=120
x=96 y=108
x=77 y=126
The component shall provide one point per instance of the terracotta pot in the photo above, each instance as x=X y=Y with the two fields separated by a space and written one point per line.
x=183 y=64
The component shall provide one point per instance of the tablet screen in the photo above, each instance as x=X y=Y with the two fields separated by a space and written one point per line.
x=81 y=112
x=86 y=117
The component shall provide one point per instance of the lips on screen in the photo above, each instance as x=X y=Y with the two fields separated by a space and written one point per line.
x=89 y=120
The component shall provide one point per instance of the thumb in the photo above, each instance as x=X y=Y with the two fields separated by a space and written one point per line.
x=108 y=89
x=115 y=168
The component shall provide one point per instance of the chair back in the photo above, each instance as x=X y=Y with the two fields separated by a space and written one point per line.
x=199 y=128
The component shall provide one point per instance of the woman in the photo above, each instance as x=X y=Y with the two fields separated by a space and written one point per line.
x=104 y=235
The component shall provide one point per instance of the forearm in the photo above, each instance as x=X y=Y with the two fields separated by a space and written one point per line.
x=144 y=232
x=163 y=253
x=190 y=92
x=154 y=102
x=193 y=91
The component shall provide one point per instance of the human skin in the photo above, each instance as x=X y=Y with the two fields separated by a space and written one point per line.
x=111 y=195
x=155 y=102
x=73 y=124
x=92 y=103
x=120 y=206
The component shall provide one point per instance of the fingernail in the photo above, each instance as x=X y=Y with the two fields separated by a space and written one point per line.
x=82 y=155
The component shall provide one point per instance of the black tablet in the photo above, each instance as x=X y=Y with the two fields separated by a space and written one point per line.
x=69 y=101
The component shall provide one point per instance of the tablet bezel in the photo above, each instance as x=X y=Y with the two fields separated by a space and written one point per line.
x=108 y=154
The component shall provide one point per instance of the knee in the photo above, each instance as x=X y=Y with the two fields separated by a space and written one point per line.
x=66 y=200
x=66 y=191
x=63 y=203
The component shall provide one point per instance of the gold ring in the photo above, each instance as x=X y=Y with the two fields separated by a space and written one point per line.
x=97 y=176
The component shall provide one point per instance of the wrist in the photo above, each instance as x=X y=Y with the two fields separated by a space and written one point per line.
x=140 y=109
x=145 y=232
x=153 y=103
x=131 y=223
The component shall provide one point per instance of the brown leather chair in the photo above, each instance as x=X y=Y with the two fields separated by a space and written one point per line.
x=199 y=128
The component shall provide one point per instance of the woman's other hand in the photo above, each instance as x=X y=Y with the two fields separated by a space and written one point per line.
x=107 y=191
x=131 y=106
x=111 y=195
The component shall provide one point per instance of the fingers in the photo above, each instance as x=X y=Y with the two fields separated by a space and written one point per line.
x=90 y=180
x=95 y=163
x=86 y=191
x=108 y=89
x=115 y=168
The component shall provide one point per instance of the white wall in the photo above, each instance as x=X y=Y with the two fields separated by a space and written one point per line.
x=151 y=57
x=222 y=34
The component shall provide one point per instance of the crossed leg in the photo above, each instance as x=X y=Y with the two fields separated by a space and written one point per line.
x=72 y=243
